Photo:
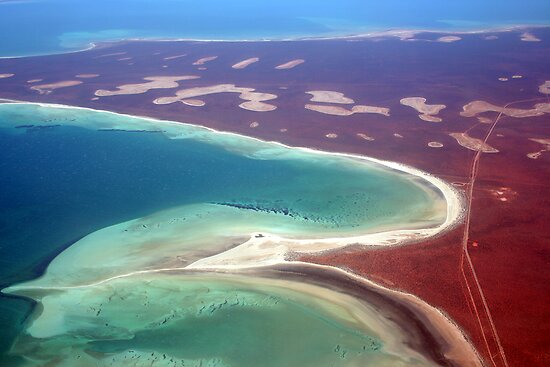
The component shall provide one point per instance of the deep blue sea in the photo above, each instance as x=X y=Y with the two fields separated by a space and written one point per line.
x=30 y=27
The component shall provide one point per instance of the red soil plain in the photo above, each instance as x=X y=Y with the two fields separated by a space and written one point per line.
x=491 y=273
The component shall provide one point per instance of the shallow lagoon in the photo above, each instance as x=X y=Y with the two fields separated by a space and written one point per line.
x=163 y=195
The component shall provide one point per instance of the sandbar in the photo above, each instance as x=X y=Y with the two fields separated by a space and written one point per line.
x=475 y=108
x=545 y=87
x=419 y=104
x=365 y=137
x=193 y=102
x=448 y=39
x=50 y=87
x=175 y=57
x=529 y=37
x=546 y=148
x=254 y=100
x=327 y=96
x=290 y=64
x=435 y=144
x=204 y=60
x=254 y=124
x=153 y=82
x=243 y=64
x=331 y=135
x=4 y=76
x=111 y=54
x=34 y=81
x=474 y=144
x=87 y=76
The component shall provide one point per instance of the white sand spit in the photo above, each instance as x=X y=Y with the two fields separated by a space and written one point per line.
x=204 y=60
x=290 y=64
x=243 y=64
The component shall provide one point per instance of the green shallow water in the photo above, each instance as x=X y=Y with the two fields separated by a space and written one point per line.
x=165 y=195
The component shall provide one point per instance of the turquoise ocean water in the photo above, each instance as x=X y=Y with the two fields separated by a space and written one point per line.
x=31 y=27
x=66 y=173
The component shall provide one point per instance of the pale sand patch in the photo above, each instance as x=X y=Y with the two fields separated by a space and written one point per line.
x=365 y=137
x=327 y=96
x=153 y=82
x=474 y=144
x=175 y=57
x=32 y=81
x=331 y=135
x=254 y=124
x=202 y=68
x=283 y=130
x=430 y=118
x=283 y=88
x=341 y=111
x=517 y=76
x=419 y=104
x=112 y=54
x=503 y=79
x=545 y=87
x=475 y=108
x=4 y=76
x=86 y=76
x=254 y=100
x=398 y=135
x=193 y=102
x=124 y=58
x=546 y=148
x=490 y=38
x=204 y=60
x=94 y=98
x=484 y=120
x=529 y=37
x=164 y=66
x=290 y=64
x=243 y=64
x=448 y=39
x=50 y=87
x=435 y=144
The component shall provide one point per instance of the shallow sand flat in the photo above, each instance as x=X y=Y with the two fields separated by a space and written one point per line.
x=32 y=81
x=484 y=120
x=327 y=96
x=529 y=37
x=4 y=76
x=448 y=39
x=546 y=147
x=174 y=57
x=365 y=136
x=341 y=111
x=435 y=144
x=419 y=104
x=204 y=60
x=430 y=118
x=475 y=108
x=474 y=144
x=243 y=64
x=153 y=82
x=193 y=102
x=86 y=76
x=290 y=64
x=545 y=87
x=254 y=100
x=50 y=87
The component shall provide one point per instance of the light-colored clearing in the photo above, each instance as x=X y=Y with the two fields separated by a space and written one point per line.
x=254 y=100
x=174 y=57
x=435 y=144
x=86 y=76
x=448 y=39
x=475 y=108
x=341 y=111
x=474 y=144
x=50 y=87
x=243 y=64
x=193 y=102
x=4 y=76
x=153 y=82
x=290 y=64
x=545 y=87
x=529 y=37
x=204 y=60
x=419 y=104
x=327 y=96
x=331 y=135
x=484 y=120
x=365 y=137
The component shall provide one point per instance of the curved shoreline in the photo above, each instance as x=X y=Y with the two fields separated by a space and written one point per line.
x=442 y=325
x=379 y=33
